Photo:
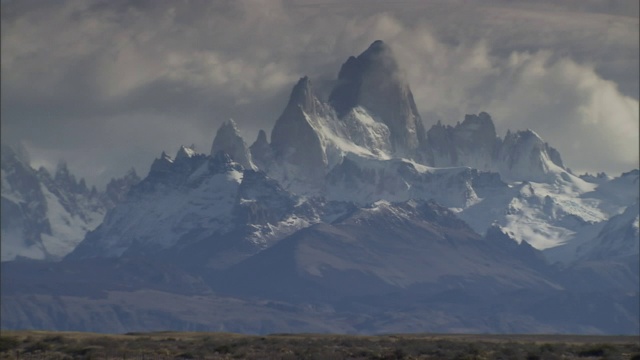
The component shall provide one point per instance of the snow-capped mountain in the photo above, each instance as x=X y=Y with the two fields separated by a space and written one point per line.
x=520 y=156
x=228 y=139
x=365 y=144
x=46 y=216
x=352 y=206
x=374 y=81
x=202 y=206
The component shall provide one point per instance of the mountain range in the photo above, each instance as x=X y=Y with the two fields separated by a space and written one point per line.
x=349 y=217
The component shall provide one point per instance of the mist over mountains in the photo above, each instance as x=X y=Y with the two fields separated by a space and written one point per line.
x=350 y=216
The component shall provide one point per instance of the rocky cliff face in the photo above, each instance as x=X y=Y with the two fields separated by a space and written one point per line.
x=472 y=143
x=118 y=188
x=45 y=216
x=228 y=140
x=374 y=81
x=521 y=155
x=261 y=151
x=294 y=138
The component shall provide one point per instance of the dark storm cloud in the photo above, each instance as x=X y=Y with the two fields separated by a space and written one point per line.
x=109 y=84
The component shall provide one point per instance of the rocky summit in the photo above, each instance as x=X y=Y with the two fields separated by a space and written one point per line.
x=349 y=217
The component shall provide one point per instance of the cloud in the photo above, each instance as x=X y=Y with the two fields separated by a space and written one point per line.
x=115 y=82
x=570 y=105
x=586 y=117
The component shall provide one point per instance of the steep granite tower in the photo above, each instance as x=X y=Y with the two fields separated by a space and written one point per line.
x=228 y=139
x=294 y=138
x=472 y=143
x=374 y=81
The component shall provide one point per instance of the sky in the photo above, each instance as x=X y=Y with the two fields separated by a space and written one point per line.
x=109 y=85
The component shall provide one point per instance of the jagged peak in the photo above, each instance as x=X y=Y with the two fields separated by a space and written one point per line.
x=62 y=173
x=165 y=157
x=378 y=45
x=598 y=178
x=161 y=164
x=483 y=119
x=261 y=152
x=229 y=140
x=376 y=49
x=378 y=58
x=42 y=171
x=530 y=136
x=185 y=152
x=302 y=96
x=62 y=167
x=131 y=176
x=17 y=151
x=227 y=134
x=292 y=131
x=132 y=173
x=304 y=82
x=229 y=125
x=525 y=135
x=261 y=139
x=477 y=124
x=374 y=81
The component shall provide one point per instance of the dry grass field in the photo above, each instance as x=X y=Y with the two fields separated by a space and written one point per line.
x=184 y=345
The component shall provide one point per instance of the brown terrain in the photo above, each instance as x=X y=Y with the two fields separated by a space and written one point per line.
x=185 y=345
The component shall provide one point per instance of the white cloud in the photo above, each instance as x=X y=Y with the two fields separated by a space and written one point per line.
x=587 y=118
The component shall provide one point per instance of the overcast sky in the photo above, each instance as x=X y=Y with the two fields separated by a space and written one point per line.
x=107 y=85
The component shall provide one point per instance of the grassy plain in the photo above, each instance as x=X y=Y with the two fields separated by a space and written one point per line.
x=185 y=345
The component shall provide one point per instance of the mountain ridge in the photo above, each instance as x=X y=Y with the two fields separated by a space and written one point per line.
x=352 y=207
x=45 y=216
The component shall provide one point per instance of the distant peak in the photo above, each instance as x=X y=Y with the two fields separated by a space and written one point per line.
x=62 y=166
x=304 y=81
x=302 y=94
x=165 y=157
x=376 y=47
x=528 y=134
x=185 y=152
x=481 y=122
x=374 y=81
x=132 y=174
x=17 y=151
x=482 y=118
x=377 y=63
x=228 y=130
x=262 y=137
x=229 y=141
x=303 y=84
x=231 y=125
x=634 y=172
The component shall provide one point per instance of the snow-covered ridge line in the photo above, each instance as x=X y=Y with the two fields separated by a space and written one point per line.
x=46 y=216
x=365 y=144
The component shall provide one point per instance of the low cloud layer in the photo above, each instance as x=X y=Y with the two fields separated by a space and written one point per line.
x=107 y=85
